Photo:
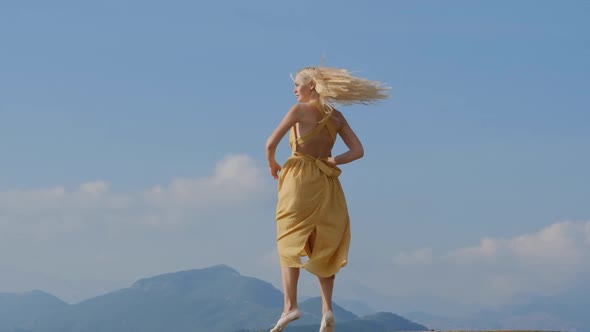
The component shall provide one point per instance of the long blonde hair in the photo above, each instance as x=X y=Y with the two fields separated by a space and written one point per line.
x=338 y=86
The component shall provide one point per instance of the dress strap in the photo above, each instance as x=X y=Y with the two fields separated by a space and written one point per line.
x=331 y=129
x=325 y=122
x=312 y=133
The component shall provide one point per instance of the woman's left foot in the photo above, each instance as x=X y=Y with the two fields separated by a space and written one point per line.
x=328 y=322
x=286 y=318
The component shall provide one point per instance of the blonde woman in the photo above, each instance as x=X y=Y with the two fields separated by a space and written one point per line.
x=312 y=215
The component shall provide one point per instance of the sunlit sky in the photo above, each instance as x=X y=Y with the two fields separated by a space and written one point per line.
x=132 y=143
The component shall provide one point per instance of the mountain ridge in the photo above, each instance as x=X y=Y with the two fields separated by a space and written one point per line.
x=213 y=299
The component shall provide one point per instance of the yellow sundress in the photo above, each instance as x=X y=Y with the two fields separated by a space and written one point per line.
x=312 y=215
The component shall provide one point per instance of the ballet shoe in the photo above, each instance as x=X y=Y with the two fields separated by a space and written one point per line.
x=328 y=322
x=286 y=318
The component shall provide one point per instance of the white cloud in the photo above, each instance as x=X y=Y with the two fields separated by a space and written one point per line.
x=42 y=213
x=418 y=257
x=95 y=188
x=94 y=230
x=543 y=262
x=563 y=244
x=237 y=178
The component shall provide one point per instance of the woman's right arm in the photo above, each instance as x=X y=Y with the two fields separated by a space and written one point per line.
x=292 y=117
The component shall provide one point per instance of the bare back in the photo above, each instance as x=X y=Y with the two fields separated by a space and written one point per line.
x=319 y=146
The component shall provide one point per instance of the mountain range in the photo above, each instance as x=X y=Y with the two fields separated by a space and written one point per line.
x=214 y=299
x=565 y=311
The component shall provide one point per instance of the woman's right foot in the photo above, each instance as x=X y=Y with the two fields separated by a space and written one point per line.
x=328 y=322
x=286 y=318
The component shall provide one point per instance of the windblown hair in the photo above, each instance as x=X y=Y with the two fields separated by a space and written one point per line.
x=338 y=86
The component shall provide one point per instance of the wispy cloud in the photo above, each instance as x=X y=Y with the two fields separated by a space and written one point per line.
x=419 y=257
x=543 y=262
x=93 y=230
x=236 y=181
x=563 y=244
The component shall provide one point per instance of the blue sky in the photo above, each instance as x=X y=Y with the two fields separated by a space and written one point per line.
x=105 y=104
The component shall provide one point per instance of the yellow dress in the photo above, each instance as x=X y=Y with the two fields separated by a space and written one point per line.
x=312 y=215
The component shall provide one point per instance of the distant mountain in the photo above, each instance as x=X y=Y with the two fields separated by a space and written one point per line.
x=357 y=307
x=436 y=322
x=496 y=320
x=312 y=312
x=215 y=299
x=567 y=311
x=380 y=322
x=212 y=299
x=408 y=302
x=395 y=322
x=571 y=306
x=17 y=309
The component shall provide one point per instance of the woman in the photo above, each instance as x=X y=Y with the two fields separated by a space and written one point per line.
x=312 y=216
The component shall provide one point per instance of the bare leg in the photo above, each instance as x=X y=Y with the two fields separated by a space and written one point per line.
x=328 y=321
x=327 y=287
x=290 y=280
x=291 y=311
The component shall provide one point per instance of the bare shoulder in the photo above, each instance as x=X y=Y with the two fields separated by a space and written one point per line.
x=337 y=115
x=298 y=106
x=306 y=106
x=339 y=119
x=297 y=109
x=306 y=112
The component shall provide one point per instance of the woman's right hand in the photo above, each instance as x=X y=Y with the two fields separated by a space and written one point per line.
x=274 y=169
